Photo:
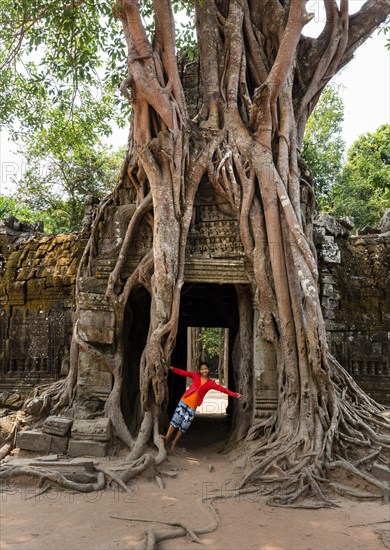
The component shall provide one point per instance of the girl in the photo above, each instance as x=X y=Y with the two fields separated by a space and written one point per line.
x=192 y=398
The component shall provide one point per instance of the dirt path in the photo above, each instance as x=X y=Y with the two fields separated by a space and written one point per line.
x=63 y=520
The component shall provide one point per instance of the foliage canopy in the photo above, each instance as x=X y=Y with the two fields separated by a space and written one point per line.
x=323 y=146
x=363 y=187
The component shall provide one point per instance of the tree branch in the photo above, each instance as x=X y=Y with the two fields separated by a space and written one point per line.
x=165 y=41
x=206 y=20
x=297 y=19
x=362 y=24
x=335 y=36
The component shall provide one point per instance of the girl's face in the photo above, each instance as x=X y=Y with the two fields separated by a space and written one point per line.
x=204 y=371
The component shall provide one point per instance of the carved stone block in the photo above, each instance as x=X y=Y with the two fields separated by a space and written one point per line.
x=97 y=326
x=57 y=425
x=94 y=379
x=93 y=430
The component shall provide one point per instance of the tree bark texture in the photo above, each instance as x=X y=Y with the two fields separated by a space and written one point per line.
x=261 y=79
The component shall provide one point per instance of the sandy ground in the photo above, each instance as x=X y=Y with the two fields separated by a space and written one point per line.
x=62 y=520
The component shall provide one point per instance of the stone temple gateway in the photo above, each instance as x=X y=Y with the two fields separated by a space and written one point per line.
x=217 y=288
x=38 y=301
x=37 y=282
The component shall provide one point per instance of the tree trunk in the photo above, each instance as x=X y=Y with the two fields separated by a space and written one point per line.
x=261 y=80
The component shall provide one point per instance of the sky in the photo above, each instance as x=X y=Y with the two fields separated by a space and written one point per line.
x=365 y=92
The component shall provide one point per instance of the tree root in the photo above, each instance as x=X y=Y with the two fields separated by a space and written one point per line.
x=342 y=463
x=157 y=440
x=44 y=489
x=318 y=506
x=159 y=482
x=136 y=467
x=187 y=530
x=358 y=434
x=291 y=482
x=345 y=491
x=7 y=472
x=10 y=442
x=152 y=537
x=111 y=475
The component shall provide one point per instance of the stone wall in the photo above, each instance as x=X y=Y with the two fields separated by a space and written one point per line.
x=37 y=284
x=355 y=297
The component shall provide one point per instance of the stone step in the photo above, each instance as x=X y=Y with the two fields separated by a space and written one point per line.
x=76 y=469
x=87 y=448
x=57 y=425
x=31 y=440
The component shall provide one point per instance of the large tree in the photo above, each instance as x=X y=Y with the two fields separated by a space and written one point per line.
x=261 y=80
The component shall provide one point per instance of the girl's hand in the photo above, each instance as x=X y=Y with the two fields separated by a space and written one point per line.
x=240 y=396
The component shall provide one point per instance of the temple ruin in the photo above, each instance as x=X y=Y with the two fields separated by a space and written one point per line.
x=37 y=289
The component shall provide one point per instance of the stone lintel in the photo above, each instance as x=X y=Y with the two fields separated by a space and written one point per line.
x=216 y=271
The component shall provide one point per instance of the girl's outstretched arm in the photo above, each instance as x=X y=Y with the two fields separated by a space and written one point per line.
x=182 y=372
x=222 y=389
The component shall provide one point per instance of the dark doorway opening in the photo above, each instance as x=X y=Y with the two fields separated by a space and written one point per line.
x=203 y=305
x=136 y=327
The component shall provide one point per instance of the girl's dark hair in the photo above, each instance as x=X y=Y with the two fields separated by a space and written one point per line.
x=203 y=363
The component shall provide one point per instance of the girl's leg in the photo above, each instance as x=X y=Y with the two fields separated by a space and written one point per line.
x=175 y=441
x=169 y=433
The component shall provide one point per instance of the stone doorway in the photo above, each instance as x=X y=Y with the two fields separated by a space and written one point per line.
x=204 y=305
x=136 y=326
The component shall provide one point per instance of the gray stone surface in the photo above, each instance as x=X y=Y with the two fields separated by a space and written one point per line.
x=34 y=405
x=57 y=425
x=332 y=226
x=358 y=328
x=30 y=440
x=87 y=448
x=93 y=430
x=384 y=224
x=12 y=400
x=347 y=222
x=97 y=326
x=319 y=233
x=77 y=469
x=329 y=252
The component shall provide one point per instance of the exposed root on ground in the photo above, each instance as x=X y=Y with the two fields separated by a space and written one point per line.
x=297 y=468
x=7 y=471
x=153 y=537
x=10 y=441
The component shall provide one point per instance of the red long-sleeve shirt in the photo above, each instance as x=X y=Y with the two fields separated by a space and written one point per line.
x=202 y=389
